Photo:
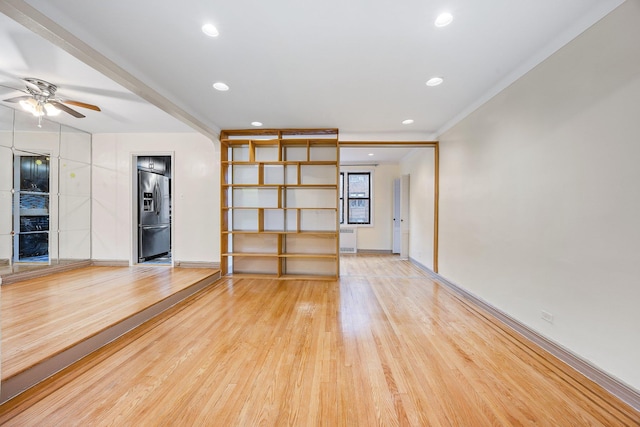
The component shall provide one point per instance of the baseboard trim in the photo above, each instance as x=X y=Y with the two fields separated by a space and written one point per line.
x=374 y=251
x=110 y=262
x=613 y=385
x=176 y=263
x=197 y=264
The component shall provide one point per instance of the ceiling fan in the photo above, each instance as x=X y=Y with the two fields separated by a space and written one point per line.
x=40 y=100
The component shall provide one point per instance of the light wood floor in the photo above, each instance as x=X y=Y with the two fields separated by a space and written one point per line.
x=43 y=316
x=384 y=346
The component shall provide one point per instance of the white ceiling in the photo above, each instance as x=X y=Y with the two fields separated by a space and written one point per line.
x=378 y=155
x=358 y=65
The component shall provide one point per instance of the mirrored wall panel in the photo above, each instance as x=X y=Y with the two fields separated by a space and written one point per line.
x=74 y=201
x=6 y=186
x=45 y=193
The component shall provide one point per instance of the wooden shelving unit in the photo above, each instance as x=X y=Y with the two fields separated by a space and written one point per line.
x=279 y=203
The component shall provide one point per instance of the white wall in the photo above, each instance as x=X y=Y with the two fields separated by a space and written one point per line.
x=419 y=165
x=196 y=197
x=379 y=236
x=540 y=198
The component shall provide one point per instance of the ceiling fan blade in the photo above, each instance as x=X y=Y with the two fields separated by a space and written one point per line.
x=61 y=106
x=80 y=104
x=17 y=98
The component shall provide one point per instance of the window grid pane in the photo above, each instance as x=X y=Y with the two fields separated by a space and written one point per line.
x=359 y=185
x=358 y=211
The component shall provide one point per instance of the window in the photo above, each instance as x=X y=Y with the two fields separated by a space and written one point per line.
x=359 y=197
x=354 y=193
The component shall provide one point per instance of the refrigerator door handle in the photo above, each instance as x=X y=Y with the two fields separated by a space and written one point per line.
x=157 y=197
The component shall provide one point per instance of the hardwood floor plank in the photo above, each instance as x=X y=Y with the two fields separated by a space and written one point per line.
x=384 y=345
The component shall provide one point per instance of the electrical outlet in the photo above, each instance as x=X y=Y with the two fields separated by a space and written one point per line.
x=547 y=316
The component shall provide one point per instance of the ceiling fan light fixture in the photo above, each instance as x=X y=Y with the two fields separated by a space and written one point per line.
x=28 y=105
x=210 y=30
x=51 y=109
x=32 y=106
x=40 y=100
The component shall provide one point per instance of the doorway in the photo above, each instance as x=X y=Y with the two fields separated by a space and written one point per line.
x=423 y=166
x=31 y=209
x=401 y=216
x=154 y=212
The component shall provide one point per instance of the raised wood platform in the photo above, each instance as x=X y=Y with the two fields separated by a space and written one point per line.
x=52 y=321
x=384 y=345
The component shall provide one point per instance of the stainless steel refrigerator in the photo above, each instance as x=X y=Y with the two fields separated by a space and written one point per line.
x=154 y=222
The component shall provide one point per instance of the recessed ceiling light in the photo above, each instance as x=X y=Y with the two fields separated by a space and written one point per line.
x=256 y=124
x=220 y=86
x=371 y=154
x=443 y=19
x=210 y=30
x=407 y=122
x=434 y=81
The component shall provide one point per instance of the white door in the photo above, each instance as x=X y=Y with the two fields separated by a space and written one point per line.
x=404 y=216
x=401 y=216
x=397 y=238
